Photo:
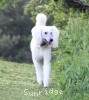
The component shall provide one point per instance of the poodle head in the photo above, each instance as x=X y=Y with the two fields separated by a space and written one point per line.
x=47 y=36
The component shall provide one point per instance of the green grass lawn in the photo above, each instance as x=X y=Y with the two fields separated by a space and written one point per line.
x=18 y=82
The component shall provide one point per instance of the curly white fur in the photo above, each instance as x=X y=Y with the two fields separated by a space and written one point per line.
x=44 y=38
x=41 y=19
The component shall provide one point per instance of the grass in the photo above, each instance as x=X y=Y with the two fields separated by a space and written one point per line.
x=69 y=75
x=18 y=82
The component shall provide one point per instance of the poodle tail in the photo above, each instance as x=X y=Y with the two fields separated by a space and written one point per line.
x=41 y=19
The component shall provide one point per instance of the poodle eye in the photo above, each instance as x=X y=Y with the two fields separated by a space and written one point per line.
x=45 y=32
x=51 y=33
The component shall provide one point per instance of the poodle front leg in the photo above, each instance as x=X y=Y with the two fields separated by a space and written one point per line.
x=39 y=72
x=47 y=68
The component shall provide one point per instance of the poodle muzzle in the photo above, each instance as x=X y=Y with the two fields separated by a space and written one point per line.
x=45 y=42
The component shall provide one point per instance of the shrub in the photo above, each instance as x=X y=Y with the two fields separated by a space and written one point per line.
x=7 y=43
x=72 y=64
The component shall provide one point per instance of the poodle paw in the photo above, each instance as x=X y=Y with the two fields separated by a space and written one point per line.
x=46 y=85
x=40 y=82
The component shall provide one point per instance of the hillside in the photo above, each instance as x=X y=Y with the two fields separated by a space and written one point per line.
x=18 y=82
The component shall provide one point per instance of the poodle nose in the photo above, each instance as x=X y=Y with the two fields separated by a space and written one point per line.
x=51 y=40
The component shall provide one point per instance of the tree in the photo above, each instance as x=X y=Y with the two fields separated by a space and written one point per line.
x=15 y=29
x=76 y=4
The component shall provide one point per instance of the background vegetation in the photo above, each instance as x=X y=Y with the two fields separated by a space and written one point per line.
x=70 y=63
x=17 y=17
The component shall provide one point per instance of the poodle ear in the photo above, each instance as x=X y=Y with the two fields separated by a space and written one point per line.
x=56 y=34
x=37 y=34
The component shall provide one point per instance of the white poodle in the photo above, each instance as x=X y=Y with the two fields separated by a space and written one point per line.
x=44 y=38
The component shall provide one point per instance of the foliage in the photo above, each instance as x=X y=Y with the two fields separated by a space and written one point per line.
x=72 y=64
x=16 y=18
x=7 y=43
x=57 y=12
x=14 y=23
x=53 y=10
